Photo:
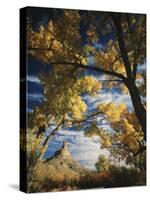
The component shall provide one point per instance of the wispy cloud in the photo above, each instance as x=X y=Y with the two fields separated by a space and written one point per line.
x=124 y=99
x=33 y=79
x=29 y=110
x=139 y=82
x=35 y=97
x=107 y=97
x=91 y=60
x=98 y=46
x=141 y=68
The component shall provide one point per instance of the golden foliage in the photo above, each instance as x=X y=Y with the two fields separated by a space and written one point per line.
x=89 y=84
x=30 y=144
x=126 y=134
x=110 y=59
x=124 y=89
x=106 y=139
x=63 y=90
x=34 y=144
x=113 y=112
x=54 y=46
x=78 y=108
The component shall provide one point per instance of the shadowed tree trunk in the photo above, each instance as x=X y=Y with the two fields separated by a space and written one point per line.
x=130 y=80
x=138 y=106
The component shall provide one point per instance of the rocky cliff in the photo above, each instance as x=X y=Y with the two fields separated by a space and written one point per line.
x=60 y=168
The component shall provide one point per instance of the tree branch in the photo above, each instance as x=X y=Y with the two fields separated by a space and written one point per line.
x=111 y=80
x=92 y=68
x=39 y=49
x=117 y=22
x=136 y=53
x=53 y=132
x=85 y=119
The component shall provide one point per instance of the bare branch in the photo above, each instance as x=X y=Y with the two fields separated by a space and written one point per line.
x=53 y=132
x=111 y=80
x=86 y=119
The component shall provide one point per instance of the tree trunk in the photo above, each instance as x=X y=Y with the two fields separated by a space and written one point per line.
x=138 y=106
x=130 y=82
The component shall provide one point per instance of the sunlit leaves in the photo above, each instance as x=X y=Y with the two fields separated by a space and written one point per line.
x=52 y=45
x=106 y=139
x=89 y=84
x=124 y=89
x=34 y=144
x=126 y=134
x=30 y=144
x=65 y=99
x=78 y=108
x=123 y=121
x=109 y=58
x=113 y=112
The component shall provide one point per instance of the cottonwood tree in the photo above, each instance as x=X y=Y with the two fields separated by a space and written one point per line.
x=64 y=46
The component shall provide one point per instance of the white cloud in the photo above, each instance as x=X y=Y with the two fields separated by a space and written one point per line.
x=33 y=79
x=35 y=97
x=98 y=46
x=91 y=60
x=142 y=67
x=139 y=82
x=83 y=149
x=93 y=101
x=107 y=97
x=124 y=99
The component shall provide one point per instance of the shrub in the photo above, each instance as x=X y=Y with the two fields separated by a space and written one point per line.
x=123 y=176
x=101 y=179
